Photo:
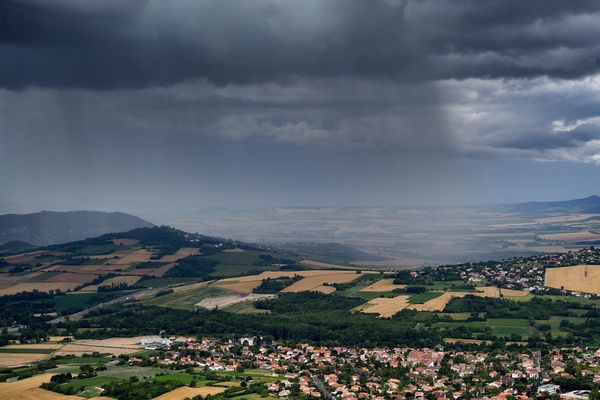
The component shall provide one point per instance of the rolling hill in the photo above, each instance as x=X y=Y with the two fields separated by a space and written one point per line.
x=49 y=227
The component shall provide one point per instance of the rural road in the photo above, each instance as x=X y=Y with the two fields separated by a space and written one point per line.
x=130 y=297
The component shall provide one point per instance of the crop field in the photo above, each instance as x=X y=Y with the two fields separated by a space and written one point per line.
x=71 y=277
x=385 y=306
x=220 y=302
x=181 y=253
x=115 y=346
x=246 y=284
x=39 y=286
x=383 y=285
x=580 y=278
x=313 y=282
x=117 y=280
x=18 y=359
x=187 y=299
x=185 y=392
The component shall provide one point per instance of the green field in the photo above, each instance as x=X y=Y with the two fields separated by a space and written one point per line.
x=187 y=300
x=246 y=307
x=424 y=297
x=26 y=351
x=100 y=249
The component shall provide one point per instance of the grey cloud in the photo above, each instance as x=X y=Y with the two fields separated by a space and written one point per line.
x=143 y=43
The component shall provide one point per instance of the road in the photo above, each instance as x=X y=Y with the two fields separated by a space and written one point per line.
x=129 y=297
x=319 y=384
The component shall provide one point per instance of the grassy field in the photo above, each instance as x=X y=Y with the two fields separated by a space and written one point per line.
x=423 y=297
x=244 y=308
x=188 y=299
x=25 y=351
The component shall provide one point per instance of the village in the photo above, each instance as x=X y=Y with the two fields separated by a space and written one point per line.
x=524 y=273
x=352 y=373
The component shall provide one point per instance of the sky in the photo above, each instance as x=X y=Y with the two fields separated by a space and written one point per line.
x=161 y=105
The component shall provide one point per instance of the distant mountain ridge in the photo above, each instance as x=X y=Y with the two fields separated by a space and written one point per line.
x=51 y=227
x=586 y=205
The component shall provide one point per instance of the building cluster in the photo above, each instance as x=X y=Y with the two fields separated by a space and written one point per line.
x=354 y=373
x=522 y=273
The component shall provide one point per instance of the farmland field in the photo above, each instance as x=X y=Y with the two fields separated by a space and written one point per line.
x=383 y=285
x=580 y=278
x=189 y=392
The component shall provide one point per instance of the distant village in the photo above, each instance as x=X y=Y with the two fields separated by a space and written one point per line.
x=522 y=273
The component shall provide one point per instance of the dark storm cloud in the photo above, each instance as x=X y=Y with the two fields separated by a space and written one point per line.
x=140 y=43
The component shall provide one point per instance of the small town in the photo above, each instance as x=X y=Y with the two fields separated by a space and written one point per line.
x=522 y=273
x=352 y=373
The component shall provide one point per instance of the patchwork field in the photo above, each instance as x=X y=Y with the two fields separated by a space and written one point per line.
x=580 y=278
x=385 y=306
x=115 y=346
x=186 y=392
x=383 y=285
x=117 y=280
x=432 y=302
x=312 y=280
x=181 y=253
x=19 y=359
x=220 y=302
x=39 y=286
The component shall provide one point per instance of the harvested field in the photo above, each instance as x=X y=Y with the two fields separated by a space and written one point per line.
x=385 y=306
x=489 y=291
x=181 y=253
x=128 y=257
x=186 y=392
x=72 y=277
x=383 y=285
x=245 y=284
x=313 y=282
x=224 y=301
x=324 y=289
x=19 y=359
x=439 y=303
x=240 y=287
x=192 y=286
x=467 y=341
x=78 y=269
x=513 y=293
x=117 y=280
x=580 y=278
x=115 y=346
x=125 y=242
x=40 y=286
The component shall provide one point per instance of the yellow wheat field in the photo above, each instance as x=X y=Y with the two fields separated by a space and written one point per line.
x=246 y=284
x=189 y=392
x=513 y=293
x=19 y=359
x=313 y=282
x=39 y=286
x=386 y=306
x=324 y=289
x=580 y=278
x=383 y=285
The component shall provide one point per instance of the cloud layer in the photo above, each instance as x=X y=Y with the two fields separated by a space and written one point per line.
x=139 y=43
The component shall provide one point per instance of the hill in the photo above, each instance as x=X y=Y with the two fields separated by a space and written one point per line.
x=587 y=205
x=49 y=227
